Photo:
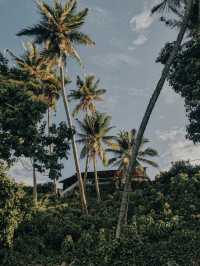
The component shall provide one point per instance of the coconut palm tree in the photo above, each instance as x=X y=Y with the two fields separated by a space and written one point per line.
x=59 y=32
x=94 y=136
x=87 y=93
x=40 y=79
x=39 y=74
x=122 y=146
x=133 y=161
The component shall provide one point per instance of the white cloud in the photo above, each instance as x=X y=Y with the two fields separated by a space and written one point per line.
x=178 y=147
x=184 y=150
x=22 y=172
x=141 y=39
x=171 y=134
x=141 y=22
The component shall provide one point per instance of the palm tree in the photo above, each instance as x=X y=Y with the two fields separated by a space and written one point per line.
x=40 y=79
x=121 y=148
x=87 y=93
x=58 y=31
x=133 y=162
x=40 y=75
x=94 y=136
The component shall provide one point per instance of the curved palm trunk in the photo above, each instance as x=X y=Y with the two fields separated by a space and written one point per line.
x=74 y=148
x=96 y=181
x=147 y=115
x=199 y=12
x=34 y=186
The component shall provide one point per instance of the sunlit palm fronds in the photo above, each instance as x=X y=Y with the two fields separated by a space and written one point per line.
x=87 y=93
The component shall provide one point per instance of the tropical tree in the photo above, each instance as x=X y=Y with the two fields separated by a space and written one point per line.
x=39 y=76
x=94 y=136
x=121 y=149
x=58 y=31
x=87 y=93
x=41 y=80
x=188 y=5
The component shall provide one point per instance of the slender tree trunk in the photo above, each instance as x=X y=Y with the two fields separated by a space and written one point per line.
x=96 y=181
x=74 y=148
x=126 y=212
x=55 y=191
x=49 y=124
x=86 y=171
x=147 y=115
x=34 y=186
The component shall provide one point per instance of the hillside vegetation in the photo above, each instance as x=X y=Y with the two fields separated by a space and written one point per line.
x=163 y=226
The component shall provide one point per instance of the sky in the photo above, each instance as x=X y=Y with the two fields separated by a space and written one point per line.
x=128 y=41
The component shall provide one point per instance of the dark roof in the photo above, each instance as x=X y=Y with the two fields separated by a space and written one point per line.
x=90 y=175
x=101 y=175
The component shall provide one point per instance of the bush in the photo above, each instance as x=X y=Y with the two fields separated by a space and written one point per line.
x=11 y=214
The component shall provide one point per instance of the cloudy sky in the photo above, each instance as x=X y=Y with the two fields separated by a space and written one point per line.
x=128 y=41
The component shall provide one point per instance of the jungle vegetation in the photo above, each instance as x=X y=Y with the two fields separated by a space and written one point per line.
x=139 y=222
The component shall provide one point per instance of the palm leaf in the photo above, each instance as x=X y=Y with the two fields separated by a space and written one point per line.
x=149 y=162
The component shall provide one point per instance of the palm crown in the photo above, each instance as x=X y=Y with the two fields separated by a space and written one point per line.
x=58 y=29
x=94 y=135
x=87 y=93
x=39 y=73
x=122 y=148
x=177 y=8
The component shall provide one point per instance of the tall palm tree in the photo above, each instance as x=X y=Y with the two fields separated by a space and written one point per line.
x=40 y=79
x=87 y=93
x=121 y=149
x=94 y=136
x=124 y=202
x=58 y=31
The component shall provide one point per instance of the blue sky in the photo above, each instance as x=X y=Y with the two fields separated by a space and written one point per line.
x=128 y=41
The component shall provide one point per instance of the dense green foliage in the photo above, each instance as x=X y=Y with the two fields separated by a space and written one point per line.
x=11 y=211
x=163 y=227
x=184 y=78
x=19 y=116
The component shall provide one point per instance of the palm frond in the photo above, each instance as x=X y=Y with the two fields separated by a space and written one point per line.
x=84 y=152
x=149 y=162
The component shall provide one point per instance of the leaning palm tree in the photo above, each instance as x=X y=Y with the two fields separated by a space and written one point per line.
x=40 y=79
x=87 y=94
x=94 y=136
x=188 y=6
x=58 y=31
x=121 y=149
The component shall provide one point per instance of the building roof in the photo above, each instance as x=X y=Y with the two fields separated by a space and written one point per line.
x=106 y=174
